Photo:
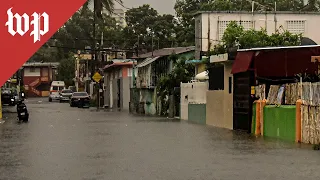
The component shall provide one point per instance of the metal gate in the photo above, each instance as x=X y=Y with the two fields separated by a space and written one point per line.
x=242 y=104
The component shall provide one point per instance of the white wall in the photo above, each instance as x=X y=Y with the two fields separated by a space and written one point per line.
x=196 y=93
x=29 y=72
x=216 y=23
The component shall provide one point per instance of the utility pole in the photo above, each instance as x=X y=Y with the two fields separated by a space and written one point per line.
x=138 y=45
x=152 y=42
x=93 y=48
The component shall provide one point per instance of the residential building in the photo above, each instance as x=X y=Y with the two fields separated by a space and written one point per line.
x=118 y=14
x=117 y=81
x=153 y=65
x=210 y=26
x=37 y=78
x=150 y=68
x=120 y=17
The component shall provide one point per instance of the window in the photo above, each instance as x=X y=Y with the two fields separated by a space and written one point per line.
x=230 y=85
x=80 y=94
x=32 y=69
x=66 y=91
x=130 y=71
x=216 y=78
x=296 y=27
x=247 y=25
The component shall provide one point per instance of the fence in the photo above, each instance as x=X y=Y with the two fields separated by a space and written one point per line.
x=291 y=92
x=192 y=93
x=309 y=93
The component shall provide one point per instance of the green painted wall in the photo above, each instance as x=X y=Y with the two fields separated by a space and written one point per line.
x=253 y=127
x=197 y=113
x=280 y=122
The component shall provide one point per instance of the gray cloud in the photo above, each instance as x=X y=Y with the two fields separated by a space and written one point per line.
x=162 y=6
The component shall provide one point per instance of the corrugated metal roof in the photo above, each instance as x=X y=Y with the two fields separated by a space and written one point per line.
x=255 y=12
x=147 y=61
x=118 y=64
x=39 y=64
x=167 y=51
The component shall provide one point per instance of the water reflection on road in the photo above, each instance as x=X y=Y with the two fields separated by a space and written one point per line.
x=61 y=142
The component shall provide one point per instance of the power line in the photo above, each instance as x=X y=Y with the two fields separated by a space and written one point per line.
x=121 y=4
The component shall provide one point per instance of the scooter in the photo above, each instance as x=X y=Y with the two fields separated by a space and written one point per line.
x=23 y=114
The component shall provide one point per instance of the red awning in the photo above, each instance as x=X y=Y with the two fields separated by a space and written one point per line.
x=242 y=62
x=286 y=62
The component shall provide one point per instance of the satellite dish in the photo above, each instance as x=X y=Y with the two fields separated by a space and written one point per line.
x=202 y=76
x=307 y=41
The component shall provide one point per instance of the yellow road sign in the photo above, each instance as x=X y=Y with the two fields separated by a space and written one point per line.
x=96 y=77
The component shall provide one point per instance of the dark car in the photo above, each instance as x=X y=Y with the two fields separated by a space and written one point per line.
x=65 y=95
x=8 y=97
x=80 y=99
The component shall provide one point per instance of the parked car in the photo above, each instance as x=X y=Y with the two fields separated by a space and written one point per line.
x=80 y=99
x=54 y=96
x=8 y=97
x=65 y=95
x=57 y=86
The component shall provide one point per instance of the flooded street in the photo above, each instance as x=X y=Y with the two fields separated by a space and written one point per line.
x=61 y=142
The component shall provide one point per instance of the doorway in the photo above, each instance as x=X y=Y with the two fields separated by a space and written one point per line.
x=242 y=104
x=119 y=93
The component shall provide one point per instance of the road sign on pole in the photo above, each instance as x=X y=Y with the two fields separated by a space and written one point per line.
x=96 y=77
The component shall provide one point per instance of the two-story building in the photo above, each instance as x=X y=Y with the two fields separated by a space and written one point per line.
x=210 y=26
x=37 y=78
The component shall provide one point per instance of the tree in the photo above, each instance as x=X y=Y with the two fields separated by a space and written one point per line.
x=66 y=71
x=101 y=5
x=181 y=72
x=236 y=37
x=145 y=24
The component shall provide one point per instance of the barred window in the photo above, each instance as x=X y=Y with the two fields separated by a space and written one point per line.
x=247 y=25
x=296 y=27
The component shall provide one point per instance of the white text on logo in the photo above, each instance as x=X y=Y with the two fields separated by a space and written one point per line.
x=36 y=32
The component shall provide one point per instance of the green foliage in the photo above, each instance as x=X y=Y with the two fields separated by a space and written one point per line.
x=66 y=71
x=143 y=23
x=236 y=36
x=181 y=73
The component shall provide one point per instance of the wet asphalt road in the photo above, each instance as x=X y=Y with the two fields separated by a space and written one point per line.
x=61 y=143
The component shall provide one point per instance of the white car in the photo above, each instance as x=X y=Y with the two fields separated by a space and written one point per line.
x=65 y=95
x=54 y=96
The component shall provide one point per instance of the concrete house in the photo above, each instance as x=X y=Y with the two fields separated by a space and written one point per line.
x=117 y=83
x=150 y=68
x=210 y=26
x=37 y=78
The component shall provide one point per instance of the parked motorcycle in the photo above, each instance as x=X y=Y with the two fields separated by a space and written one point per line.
x=22 y=96
x=22 y=110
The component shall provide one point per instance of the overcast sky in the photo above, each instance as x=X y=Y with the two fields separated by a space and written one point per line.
x=162 y=6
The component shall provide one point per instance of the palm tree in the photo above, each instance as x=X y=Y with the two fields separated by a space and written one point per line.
x=100 y=5
x=98 y=8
